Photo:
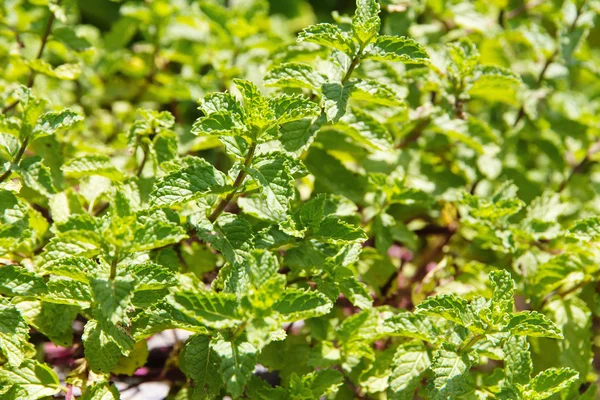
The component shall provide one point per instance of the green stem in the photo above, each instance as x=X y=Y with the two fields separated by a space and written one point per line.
x=467 y=345
x=31 y=78
x=236 y=185
x=17 y=159
x=113 y=264
x=142 y=163
x=353 y=64
x=351 y=68
x=238 y=330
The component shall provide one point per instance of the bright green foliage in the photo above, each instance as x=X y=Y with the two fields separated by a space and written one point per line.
x=395 y=201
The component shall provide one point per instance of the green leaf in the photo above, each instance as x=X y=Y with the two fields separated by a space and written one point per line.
x=231 y=235
x=9 y=144
x=14 y=392
x=187 y=184
x=38 y=380
x=292 y=108
x=317 y=383
x=165 y=147
x=387 y=230
x=220 y=123
x=259 y=389
x=552 y=274
x=294 y=75
x=80 y=269
x=32 y=107
x=549 y=382
x=365 y=129
x=17 y=281
x=104 y=344
x=327 y=35
x=335 y=99
x=333 y=230
x=590 y=393
x=450 y=375
x=366 y=22
x=14 y=334
x=67 y=36
x=502 y=303
x=355 y=291
x=586 y=230
x=71 y=243
x=297 y=136
x=52 y=122
x=149 y=276
x=155 y=231
x=296 y=304
x=14 y=221
x=215 y=310
x=198 y=361
x=37 y=176
x=374 y=92
x=262 y=267
x=411 y=360
x=259 y=114
x=412 y=325
x=237 y=364
x=447 y=306
x=67 y=291
x=53 y=320
x=532 y=324
x=91 y=165
x=517 y=360
x=220 y=102
x=68 y=72
x=397 y=48
x=333 y=177
x=494 y=83
x=112 y=298
x=138 y=356
x=101 y=391
x=275 y=183
x=574 y=318
x=311 y=214
x=464 y=56
x=160 y=317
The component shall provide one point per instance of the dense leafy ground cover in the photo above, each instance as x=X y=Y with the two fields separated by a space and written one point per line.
x=398 y=203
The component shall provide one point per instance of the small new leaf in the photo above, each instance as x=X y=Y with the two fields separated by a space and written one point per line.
x=397 y=48
x=532 y=324
x=549 y=382
x=328 y=35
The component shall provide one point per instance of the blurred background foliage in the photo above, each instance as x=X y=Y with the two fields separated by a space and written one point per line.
x=119 y=55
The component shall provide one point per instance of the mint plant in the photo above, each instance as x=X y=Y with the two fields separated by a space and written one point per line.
x=395 y=204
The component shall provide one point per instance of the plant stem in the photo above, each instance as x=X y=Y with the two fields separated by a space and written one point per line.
x=414 y=134
x=236 y=185
x=566 y=292
x=465 y=346
x=351 y=68
x=353 y=64
x=238 y=330
x=142 y=164
x=31 y=78
x=17 y=159
x=594 y=148
x=113 y=264
x=524 y=8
